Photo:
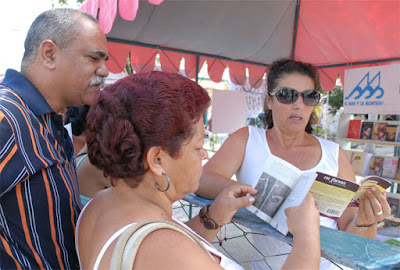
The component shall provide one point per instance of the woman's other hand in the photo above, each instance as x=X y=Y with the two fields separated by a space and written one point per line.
x=303 y=223
x=303 y=219
x=229 y=201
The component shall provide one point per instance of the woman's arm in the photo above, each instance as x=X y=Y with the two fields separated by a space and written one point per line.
x=365 y=215
x=223 y=208
x=217 y=172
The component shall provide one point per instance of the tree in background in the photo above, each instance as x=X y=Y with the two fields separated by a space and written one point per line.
x=65 y=2
x=335 y=99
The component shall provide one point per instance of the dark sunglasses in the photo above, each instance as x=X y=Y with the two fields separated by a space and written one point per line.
x=288 y=95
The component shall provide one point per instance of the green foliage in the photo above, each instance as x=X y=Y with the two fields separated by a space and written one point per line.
x=65 y=2
x=213 y=140
x=335 y=99
x=318 y=130
x=128 y=67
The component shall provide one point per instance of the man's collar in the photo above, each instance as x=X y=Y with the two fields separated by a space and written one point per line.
x=27 y=91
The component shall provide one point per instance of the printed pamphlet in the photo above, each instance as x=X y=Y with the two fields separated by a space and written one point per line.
x=282 y=185
x=337 y=194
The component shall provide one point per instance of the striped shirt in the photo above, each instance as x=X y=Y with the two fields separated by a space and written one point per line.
x=39 y=196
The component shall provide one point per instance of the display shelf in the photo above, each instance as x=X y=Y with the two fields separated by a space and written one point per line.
x=371 y=142
x=393 y=195
x=343 y=127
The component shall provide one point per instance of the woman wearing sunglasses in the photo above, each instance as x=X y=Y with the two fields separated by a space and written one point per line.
x=290 y=102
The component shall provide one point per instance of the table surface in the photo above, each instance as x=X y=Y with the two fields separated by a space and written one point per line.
x=340 y=247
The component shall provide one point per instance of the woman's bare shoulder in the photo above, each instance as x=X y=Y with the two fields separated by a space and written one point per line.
x=168 y=249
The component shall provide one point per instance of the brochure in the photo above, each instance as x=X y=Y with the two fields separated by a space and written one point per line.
x=282 y=185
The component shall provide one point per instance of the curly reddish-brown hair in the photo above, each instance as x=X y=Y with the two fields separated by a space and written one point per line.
x=138 y=112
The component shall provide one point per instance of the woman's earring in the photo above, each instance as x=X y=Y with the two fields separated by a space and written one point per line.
x=168 y=183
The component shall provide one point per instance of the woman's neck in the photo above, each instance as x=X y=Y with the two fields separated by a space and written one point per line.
x=285 y=139
x=84 y=149
x=147 y=195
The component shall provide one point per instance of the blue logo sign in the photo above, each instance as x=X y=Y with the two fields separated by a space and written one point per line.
x=368 y=90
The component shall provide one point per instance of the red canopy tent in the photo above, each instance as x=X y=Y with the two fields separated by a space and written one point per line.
x=333 y=35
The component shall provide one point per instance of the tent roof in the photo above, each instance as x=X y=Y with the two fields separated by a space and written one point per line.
x=329 y=34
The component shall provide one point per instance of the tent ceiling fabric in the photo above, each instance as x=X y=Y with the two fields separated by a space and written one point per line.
x=328 y=33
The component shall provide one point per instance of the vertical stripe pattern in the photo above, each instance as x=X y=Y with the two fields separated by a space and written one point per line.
x=39 y=203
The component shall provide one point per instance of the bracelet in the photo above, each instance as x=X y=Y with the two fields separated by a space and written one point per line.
x=208 y=222
x=362 y=228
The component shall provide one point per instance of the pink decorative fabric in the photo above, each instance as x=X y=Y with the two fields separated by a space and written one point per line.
x=216 y=68
x=143 y=58
x=155 y=2
x=108 y=10
x=90 y=6
x=256 y=74
x=190 y=65
x=170 y=61
x=237 y=72
x=118 y=54
x=327 y=77
x=107 y=14
x=128 y=9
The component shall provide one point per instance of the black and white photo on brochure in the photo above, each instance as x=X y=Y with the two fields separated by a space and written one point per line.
x=271 y=194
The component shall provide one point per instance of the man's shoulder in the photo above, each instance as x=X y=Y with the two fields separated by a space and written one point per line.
x=9 y=96
x=13 y=110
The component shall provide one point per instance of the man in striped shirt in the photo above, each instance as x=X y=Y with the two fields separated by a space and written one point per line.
x=63 y=64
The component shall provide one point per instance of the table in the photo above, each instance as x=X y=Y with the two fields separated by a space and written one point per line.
x=340 y=247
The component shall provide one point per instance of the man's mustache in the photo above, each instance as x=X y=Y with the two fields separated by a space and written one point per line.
x=97 y=81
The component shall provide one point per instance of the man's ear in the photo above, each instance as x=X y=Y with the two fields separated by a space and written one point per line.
x=155 y=159
x=47 y=53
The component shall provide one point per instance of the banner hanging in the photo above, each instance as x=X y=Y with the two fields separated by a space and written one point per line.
x=372 y=90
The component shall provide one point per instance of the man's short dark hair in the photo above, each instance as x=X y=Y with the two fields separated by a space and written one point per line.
x=60 y=25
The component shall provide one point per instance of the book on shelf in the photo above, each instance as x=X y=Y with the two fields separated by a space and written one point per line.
x=366 y=130
x=398 y=134
x=354 y=129
x=394 y=206
x=379 y=131
x=375 y=166
x=390 y=165
x=282 y=185
x=359 y=160
x=391 y=133
x=397 y=177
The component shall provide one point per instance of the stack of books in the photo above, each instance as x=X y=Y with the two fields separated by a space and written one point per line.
x=369 y=130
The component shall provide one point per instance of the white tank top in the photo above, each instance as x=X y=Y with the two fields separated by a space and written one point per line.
x=257 y=152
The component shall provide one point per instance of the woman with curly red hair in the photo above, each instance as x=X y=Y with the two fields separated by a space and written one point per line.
x=146 y=133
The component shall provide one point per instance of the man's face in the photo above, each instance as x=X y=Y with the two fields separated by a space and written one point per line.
x=82 y=65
